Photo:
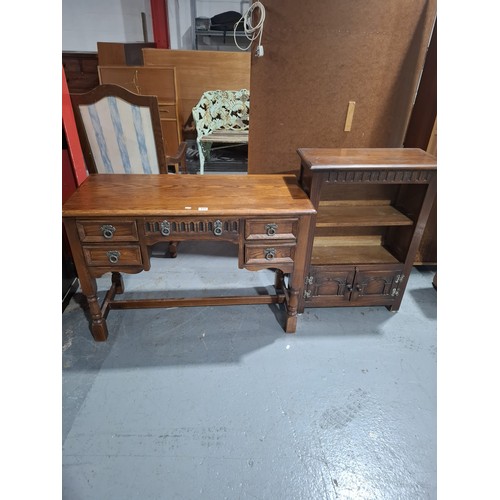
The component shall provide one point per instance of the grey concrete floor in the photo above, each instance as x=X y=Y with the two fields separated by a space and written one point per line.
x=220 y=403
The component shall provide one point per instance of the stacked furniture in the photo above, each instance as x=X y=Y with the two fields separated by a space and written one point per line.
x=160 y=82
x=198 y=71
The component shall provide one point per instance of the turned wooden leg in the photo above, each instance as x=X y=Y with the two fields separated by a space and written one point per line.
x=98 y=326
x=291 y=311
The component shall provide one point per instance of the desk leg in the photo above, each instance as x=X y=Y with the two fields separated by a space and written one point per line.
x=98 y=325
x=88 y=284
x=291 y=311
x=291 y=302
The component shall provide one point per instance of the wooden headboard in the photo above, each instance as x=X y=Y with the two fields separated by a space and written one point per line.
x=201 y=70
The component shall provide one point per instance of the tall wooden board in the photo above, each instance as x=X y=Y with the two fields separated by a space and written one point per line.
x=323 y=54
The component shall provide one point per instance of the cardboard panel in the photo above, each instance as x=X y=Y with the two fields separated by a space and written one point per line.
x=319 y=56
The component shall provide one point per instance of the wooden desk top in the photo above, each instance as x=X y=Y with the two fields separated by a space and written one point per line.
x=366 y=158
x=133 y=195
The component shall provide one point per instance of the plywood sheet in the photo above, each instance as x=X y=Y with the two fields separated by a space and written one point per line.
x=319 y=56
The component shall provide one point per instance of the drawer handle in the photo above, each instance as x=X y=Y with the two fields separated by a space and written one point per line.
x=113 y=256
x=271 y=229
x=217 y=228
x=165 y=228
x=108 y=231
x=270 y=253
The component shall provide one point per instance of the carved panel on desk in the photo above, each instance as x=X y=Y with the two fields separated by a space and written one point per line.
x=194 y=227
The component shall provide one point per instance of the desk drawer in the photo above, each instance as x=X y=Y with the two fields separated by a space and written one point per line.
x=113 y=255
x=271 y=229
x=269 y=253
x=113 y=230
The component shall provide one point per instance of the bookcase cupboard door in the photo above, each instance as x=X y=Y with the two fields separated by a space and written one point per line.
x=377 y=287
x=351 y=286
x=329 y=286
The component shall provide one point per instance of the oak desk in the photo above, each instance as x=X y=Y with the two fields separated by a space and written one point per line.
x=113 y=220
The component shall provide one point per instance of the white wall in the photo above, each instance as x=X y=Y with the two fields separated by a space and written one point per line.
x=86 y=22
x=179 y=24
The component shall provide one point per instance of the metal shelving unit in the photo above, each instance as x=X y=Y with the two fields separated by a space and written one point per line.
x=225 y=35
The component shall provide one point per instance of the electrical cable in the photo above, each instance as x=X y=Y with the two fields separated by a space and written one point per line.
x=252 y=32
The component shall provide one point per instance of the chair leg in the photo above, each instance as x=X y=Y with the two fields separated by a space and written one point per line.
x=172 y=249
x=202 y=157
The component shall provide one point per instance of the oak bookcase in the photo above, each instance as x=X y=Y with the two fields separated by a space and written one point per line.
x=372 y=205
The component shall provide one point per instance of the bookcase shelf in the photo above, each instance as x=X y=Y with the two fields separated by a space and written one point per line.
x=331 y=251
x=360 y=215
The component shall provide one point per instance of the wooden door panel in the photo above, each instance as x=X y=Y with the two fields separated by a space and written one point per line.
x=329 y=286
x=376 y=287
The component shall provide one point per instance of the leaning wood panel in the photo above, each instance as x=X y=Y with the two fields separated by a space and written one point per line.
x=321 y=55
x=117 y=53
x=199 y=71
x=422 y=133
